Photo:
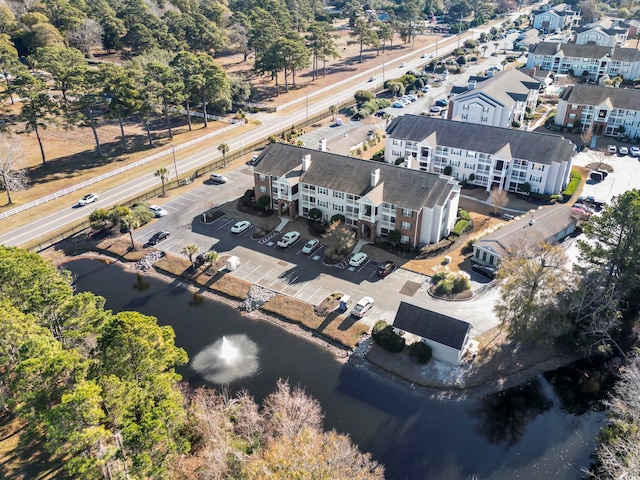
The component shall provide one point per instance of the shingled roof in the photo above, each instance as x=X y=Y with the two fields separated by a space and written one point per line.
x=547 y=222
x=506 y=88
x=536 y=147
x=622 y=98
x=570 y=50
x=434 y=326
x=411 y=189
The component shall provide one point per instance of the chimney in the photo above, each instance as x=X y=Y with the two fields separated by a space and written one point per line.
x=472 y=84
x=322 y=145
x=306 y=162
x=375 y=177
x=557 y=47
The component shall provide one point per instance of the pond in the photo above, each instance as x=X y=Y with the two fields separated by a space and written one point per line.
x=543 y=429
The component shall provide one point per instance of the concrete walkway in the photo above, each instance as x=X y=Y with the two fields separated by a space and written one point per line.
x=282 y=224
x=361 y=243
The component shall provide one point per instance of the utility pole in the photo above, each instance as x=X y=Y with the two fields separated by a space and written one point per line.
x=175 y=165
x=459 y=29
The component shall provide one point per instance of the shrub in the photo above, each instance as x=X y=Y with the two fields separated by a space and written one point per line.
x=315 y=214
x=444 y=287
x=363 y=96
x=516 y=124
x=460 y=227
x=399 y=161
x=317 y=228
x=436 y=247
x=576 y=178
x=338 y=218
x=379 y=326
x=388 y=339
x=439 y=276
x=249 y=197
x=420 y=352
x=463 y=214
x=460 y=281
x=447 y=170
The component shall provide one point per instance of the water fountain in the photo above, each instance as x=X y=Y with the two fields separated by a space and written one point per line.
x=228 y=359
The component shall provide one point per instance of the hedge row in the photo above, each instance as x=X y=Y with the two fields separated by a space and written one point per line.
x=460 y=226
x=576 y=178
x=420 y=352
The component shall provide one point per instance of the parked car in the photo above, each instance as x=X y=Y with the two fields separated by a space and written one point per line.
x=358 y=259
x=411 y=97
x=398 y=104
x=442 y=102
x=157 y=211
x=288 y=239
x=310 y=246
x=218 y=178
x=362 y=307
x=157 y=237
x=240 y=227
x=611 y=149
x=486 y=270
x=435 y=109
x=385 y=268
x=623 y=150
x=380 y=113
x=426 y=89
x=253 y=160
x=87 y=199
x=635 y=151
x=201 y=258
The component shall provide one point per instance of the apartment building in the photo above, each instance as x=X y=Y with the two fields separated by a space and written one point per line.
x=588 y=61
x=608 y=111
x=497 y=101
x=375 y=198
x=483 y=155
x=551 y=18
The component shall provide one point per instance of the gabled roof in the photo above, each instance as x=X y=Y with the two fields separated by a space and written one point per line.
x=406 y=188
x=506 y=87
x=570 y=50
x=547 y=222
x=622 y=98
x=626 y=55
x=542 y=148
x=434 y=326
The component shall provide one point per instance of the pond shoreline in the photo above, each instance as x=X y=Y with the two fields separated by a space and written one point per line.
x=469 y=383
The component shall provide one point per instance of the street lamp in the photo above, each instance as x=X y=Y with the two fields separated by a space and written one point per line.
x=175 y=165
x=382 y=72
x=306 y=104
x=459 y=29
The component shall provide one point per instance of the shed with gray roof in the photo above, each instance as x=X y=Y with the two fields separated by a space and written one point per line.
x=447 y=336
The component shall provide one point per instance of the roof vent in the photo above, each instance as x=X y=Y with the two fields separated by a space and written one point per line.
x=306 y=162
x=531 y=222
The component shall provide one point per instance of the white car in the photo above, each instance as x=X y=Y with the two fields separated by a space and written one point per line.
x=87 y=199
x=358 y=259
x=241 y=226
x=435 y=109
x=288 y=239
x=362 y=307
x=402 y=65
x=426 y=89
x=157 y=211
x=611 y=149
x=310 y=246
x=635 y=151
x=398 y=104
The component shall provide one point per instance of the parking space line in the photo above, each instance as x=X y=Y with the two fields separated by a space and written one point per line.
x=225 y=224
x=270 y=270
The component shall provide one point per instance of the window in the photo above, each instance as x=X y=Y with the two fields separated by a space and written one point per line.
x=262 y=178
x=574 y=107
x=338 y=208
x=323 y=204
x=322 y=191
x=406 y=226
x=404 y=239
x=263 y=189
x=407 y=213
x=396 y=153
x=339 y=195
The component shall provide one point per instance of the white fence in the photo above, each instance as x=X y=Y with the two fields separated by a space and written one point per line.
x=115 y=172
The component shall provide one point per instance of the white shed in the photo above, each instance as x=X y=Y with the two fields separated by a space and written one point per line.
x=446 y=336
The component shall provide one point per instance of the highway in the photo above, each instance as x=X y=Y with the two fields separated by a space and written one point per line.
x=271 y=123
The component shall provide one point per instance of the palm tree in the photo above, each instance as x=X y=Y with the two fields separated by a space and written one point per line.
x=495 y=47
x=211 y=257
x=163 y=173
x=333 y=109
x=190 y=249
x=223 y=148
x=130 y=223
x=484 y=50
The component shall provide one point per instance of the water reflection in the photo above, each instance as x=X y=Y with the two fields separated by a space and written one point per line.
x=197 y=300
x=581 y=386
x=141 y=284
x=504 y=416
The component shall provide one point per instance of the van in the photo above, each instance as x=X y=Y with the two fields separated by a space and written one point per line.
x=596 y=176
x=217 y=178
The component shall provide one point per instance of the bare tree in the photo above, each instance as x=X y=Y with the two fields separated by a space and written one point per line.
x=618 y=454
x=498 y=198
x=12 y=175
x=86 y=36
x=288 y=411
x=586 y=136
x=340 y=241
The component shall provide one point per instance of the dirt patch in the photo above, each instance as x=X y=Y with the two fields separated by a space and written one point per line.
x=409 y=288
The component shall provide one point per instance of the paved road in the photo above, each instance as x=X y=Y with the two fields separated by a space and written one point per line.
x=271 y=123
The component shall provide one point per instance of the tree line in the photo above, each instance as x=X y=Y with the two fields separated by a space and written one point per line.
x=101 y=391
x=592 y=307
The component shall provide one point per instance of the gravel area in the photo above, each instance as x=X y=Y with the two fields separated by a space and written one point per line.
x=256 y=297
